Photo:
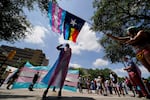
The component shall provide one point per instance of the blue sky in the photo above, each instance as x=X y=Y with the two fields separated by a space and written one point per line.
x=87 y=53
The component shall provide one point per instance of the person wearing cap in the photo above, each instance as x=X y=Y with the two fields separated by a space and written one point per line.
x=139 y=39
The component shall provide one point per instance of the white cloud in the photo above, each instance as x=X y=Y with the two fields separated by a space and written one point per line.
x=86 y=40
x=75 y=65
x=38 y=33
x=120 y=72
x=100 y=63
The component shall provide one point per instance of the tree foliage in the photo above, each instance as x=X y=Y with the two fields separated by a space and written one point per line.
x=113 y=17
x=14 y=24
x=94 y=73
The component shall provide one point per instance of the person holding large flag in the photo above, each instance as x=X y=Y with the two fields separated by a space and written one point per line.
x=57 y=74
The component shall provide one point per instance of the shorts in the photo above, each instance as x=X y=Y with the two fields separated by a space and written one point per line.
x=140 y=53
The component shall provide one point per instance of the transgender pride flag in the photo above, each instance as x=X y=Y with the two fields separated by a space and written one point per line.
x=28 y=71
x=56 y=16
x=71 y=80
x=26 y=76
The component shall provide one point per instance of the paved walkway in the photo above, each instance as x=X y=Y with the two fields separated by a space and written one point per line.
x=24 y=94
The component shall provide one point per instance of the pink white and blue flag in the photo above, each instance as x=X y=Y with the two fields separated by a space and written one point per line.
x=27 y=73
x=56 y=16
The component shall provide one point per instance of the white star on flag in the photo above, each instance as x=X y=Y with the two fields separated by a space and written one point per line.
x=55 y=17
x=73 y=22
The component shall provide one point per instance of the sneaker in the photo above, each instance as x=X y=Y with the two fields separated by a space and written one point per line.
x=30 y=89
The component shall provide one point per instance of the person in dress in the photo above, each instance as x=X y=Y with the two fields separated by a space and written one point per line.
x=135 y=76
x=57 y=74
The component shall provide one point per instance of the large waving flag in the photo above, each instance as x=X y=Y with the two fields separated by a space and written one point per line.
x=64 y=22
x=27 y=73
x=56 y=16
x=72 y=26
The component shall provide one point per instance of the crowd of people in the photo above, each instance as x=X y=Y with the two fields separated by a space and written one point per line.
x=100 y=85
x=112 y=86
x=139 y=40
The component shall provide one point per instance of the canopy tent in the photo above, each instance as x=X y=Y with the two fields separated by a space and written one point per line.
x=28 y=71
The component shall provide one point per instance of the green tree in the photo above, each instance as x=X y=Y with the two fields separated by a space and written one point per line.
x=14 y=24
x=148 y=78
x=113 y=17
x=81 y=71
x=94 y=73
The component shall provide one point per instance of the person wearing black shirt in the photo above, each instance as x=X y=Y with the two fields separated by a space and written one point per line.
x=35 y=78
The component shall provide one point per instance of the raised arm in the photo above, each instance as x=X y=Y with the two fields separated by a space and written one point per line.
x=121 y=39
x=140 y=35
x=127 y=68
x=59 y=47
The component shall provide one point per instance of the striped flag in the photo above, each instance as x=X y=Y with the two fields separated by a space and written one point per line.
x=72 y=26
x=72 y=78
x=27 y=73
x=56 y=16
x=64 y=22
x=26 y=76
